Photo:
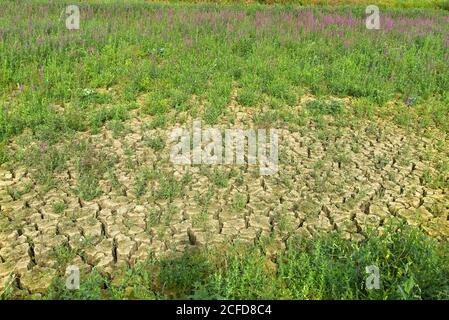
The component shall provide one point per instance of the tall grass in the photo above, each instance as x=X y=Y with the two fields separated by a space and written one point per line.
x=49 y=75
x=380 y=3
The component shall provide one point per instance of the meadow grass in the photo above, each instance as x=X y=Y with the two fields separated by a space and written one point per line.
x=443 y=4
x=55 y=81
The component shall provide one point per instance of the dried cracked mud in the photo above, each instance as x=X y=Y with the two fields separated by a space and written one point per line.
x=351 y=181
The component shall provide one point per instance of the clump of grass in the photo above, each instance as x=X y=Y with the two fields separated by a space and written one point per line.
x=333 y=107
x=220 y=178
x=4 y=154
x=156 y=143
x=380 y=161
x=248 y=97
x=157 y=105
x=59 y=207
x=88 y=187
x=117 y=127
x=142 y=180
x=89 y=96
x=91 y=165
x=63 y=255
x=212 y=113
x=159 y=121
x=102 y=115
x=239 y=202
x=170 y=187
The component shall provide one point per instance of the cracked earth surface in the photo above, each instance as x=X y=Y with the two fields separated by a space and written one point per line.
x=350 y=182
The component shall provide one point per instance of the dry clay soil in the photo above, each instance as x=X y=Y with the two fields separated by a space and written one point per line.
x=312 y=192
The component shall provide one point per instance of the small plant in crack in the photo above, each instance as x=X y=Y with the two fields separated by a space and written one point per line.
x=281 y=219
x=286 y=181
x=239 y=179
x=161 y=231
x=186 y=179
x=310 y=206
x=43 y=161
x=141 y=184
x=169 y=187
x=115 y=182
x=321 y=107
x=89 y=241
x=128 y=223
x=63 y=255
x=156 y=143
x=203 y=199
x=380 y=161
x=239 y=202
x=13 y=193
x=199 y=220
x=159 y=121
x=117 y=127
x=355 y=147
x=168 y=213
x=59 y=207
x=342 y=159
x=153 y=217
x=220 y=178
x=88 y=187
x=130 y=161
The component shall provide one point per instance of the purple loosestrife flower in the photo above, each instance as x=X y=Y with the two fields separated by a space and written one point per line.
x=389 y=24
x=21 y=88
x=241 y=16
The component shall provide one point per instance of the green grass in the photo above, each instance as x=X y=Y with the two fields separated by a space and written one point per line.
x=321 y=107
x=269 y=63
x=412 y=266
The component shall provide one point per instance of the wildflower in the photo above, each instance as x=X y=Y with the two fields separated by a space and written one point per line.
x=87 y=92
